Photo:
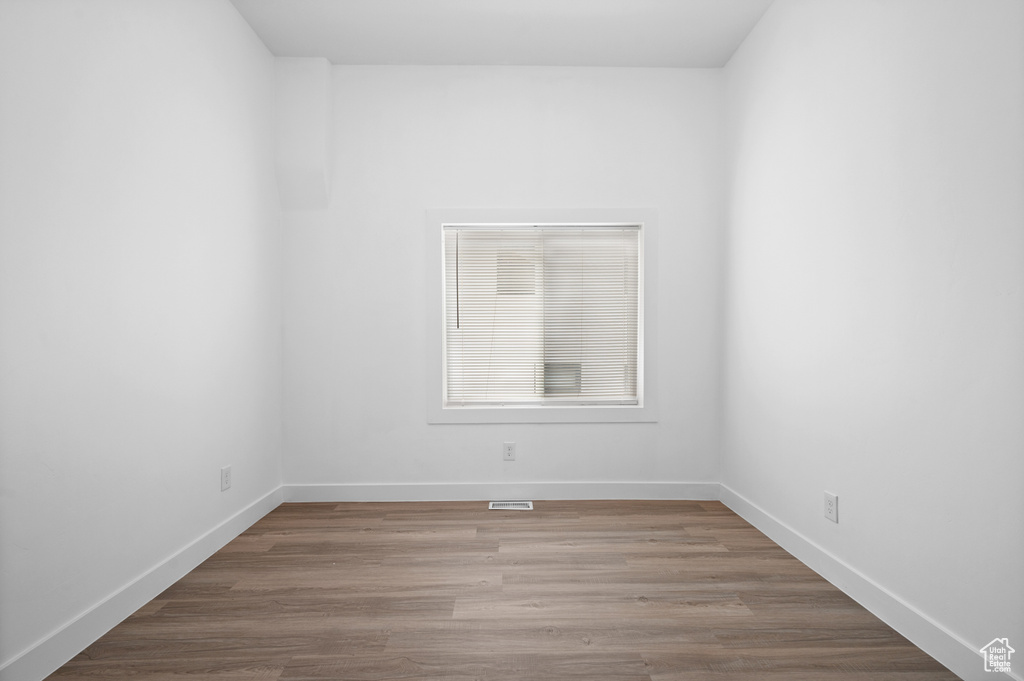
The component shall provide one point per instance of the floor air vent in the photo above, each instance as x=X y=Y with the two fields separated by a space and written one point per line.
x=511 y=506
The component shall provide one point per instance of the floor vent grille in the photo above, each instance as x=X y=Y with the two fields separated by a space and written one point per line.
x=510 y=506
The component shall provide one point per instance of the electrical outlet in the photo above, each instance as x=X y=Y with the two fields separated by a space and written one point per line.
x=225 y=478
x=832 y=507
x=508 y=451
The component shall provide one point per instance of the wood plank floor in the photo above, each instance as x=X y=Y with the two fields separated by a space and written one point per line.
x=601 y=591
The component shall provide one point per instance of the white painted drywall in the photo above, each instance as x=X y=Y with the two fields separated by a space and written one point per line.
x=875 y=318
x=139 y=293
x=303 y=122
x=410 y=139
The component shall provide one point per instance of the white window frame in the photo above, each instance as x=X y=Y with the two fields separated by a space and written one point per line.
x=644 y=411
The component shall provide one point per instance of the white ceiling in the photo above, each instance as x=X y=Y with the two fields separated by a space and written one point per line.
x=659 y=33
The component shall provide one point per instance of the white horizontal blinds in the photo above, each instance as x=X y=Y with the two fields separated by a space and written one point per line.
x=494 y=311
x=590 y=314
x=541 y=315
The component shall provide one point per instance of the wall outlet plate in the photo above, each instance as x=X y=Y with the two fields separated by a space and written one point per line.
x=832 y=507
x=225 y=478
x=508 y=451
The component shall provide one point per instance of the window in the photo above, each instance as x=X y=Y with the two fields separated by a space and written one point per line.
x=558 y=384
x=546 y=315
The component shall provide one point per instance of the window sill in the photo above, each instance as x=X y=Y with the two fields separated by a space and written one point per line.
x=548 y=414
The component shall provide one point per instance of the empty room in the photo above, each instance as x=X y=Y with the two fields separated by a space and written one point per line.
x=719 y=302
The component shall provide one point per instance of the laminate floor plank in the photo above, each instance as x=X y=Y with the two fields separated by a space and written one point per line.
x=595 y=590
x=824 y=658
x=462 y=666
x=561 y=636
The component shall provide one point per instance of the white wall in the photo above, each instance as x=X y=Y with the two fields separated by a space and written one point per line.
x=140 y=297
x=302 y=132
x=411 y=139
x=875 y=323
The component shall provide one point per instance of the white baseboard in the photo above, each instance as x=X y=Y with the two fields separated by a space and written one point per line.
x=502 y=491
x=945 y=646
x=50 y=653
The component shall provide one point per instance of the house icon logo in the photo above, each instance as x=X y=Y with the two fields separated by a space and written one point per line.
x=997 y=655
